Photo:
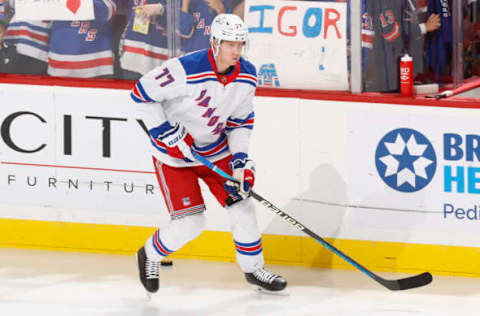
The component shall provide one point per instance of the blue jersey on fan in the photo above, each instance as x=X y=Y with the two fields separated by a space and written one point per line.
x=203 y=16
x=439 y=44
x=31 y=38
x=142 y=51
x=83 y=48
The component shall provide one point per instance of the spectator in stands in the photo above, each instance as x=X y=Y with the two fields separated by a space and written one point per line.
x=440 y=42
x=469 y=31
x=390 y=29
x=3 y=20
x=8 y=54
x=31 y=40
x=238 y=8
x=83 y=49
x=144 y=43
x=203 y=12
x=417 y=14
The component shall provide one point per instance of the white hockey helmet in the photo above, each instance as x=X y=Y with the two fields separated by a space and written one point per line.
x=228 y=27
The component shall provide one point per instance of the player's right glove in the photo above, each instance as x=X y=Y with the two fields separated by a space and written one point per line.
x=243 y=170
x=178 y=142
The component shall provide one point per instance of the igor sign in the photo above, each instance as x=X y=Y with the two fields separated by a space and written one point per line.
x=298 y=44
x=312 y=22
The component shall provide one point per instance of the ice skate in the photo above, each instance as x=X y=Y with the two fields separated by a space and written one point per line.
x=148 y=271
x=263 y=281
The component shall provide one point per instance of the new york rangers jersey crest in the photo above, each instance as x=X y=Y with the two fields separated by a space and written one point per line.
x=217 y=110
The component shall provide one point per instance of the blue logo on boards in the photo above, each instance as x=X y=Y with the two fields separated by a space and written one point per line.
x=405 y=160
x=267 y=76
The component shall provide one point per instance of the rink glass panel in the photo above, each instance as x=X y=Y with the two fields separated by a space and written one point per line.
x=133 y=46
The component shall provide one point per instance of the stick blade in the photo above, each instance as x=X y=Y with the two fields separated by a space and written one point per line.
x=408 y=283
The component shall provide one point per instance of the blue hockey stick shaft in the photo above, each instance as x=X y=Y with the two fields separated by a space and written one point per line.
x=401 y=284
x=222 y=173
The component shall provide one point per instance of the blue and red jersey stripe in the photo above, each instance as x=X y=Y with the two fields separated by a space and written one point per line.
x=247 y=78
x=202 y=77
x=213 y=149
x=139 y=95
x=247 y=122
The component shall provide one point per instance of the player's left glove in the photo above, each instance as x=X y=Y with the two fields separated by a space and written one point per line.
x=244 y=171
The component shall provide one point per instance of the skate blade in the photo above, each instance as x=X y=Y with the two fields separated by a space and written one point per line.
x=261 y=290
x=148 y=295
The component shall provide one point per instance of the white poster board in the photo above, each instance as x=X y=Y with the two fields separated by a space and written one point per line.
x=65 y=10
x=298 y=44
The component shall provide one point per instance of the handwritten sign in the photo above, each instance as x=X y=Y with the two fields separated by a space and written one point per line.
x=298 y=44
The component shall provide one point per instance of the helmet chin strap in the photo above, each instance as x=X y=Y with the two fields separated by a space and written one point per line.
x=217 y=43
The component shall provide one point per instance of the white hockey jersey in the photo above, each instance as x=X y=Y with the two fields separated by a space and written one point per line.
x=217 y=110
x=31 y=38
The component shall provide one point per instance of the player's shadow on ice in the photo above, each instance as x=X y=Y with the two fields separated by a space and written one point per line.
x=320 y=208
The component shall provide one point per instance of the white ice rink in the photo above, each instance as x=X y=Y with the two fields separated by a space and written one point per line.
x=34 y=282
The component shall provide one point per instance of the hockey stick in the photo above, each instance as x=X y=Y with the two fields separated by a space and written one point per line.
x=394 y=285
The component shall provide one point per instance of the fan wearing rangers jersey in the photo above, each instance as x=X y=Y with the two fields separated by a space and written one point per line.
x=3 y=20
x=30 y=38
x=144 y=43
x=391 y=28
x=8 y=52
x=203 y=12
x=83 y=49
x=386 y=31
x=204 y=103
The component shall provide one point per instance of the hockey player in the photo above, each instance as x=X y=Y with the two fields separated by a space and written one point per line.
x=205 y=103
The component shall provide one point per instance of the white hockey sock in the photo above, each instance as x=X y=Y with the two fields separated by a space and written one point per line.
x=177 y=233
x=246 y=235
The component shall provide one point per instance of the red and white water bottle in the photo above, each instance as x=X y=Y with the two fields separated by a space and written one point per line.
x=406 y=75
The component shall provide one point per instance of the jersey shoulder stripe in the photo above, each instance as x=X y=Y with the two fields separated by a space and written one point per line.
x=247 y=67
x=248 y=73
x=201 y=77
x=196 y=63
x=139 y=95
x=246 y=78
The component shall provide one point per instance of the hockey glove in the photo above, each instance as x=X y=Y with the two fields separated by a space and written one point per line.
x=178 y=142
x=244 y=171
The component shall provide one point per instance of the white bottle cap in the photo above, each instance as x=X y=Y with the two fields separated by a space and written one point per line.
x=406 y=57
